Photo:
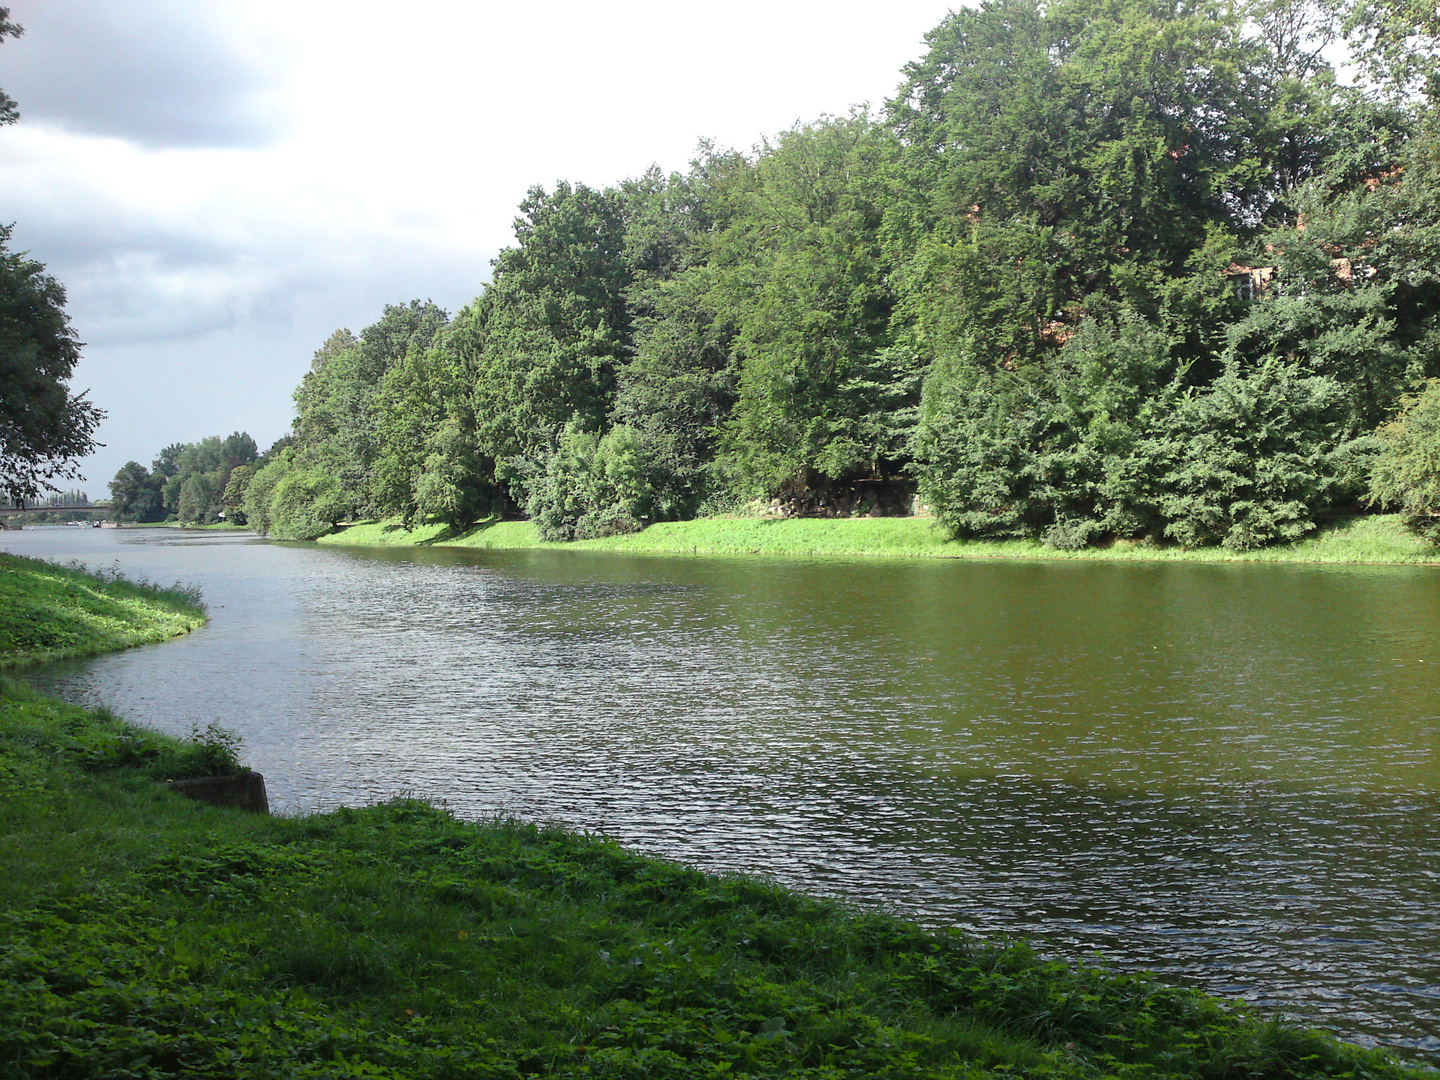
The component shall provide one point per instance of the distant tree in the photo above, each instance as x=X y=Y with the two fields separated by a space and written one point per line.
x=133 y=494
x=233 y=497
x=238 y=448
x=338 y=402
x=274 y=450
x=259 y=492
x=199 y=499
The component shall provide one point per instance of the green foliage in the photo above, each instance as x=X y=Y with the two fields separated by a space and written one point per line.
x=453 y=483
x=260 y=491
x=338 y=423
x=1406 y=471
x=544 y=343
x=1104 y=442
x=1254 y=458
x=233 y=497
x=189 y=481
x=1121 y=127
x=304 y=503
x=43 y=426
x=133 y=495
x=199 y=500
x=799 y=273
x=593 y=485
x=1061 y=449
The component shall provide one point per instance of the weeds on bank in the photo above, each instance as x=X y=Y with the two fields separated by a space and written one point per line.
x=144 y=935
x=51 y=612
x=34 y=727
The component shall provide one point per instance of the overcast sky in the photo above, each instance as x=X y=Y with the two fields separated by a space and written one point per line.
x=221 y=183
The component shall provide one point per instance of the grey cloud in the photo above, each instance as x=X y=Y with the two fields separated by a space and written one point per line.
x=159 y=73
x=241 y=373
x=131 y=284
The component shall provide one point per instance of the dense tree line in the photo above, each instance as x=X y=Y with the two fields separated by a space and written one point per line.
x=1102 y=268
x=196 y=483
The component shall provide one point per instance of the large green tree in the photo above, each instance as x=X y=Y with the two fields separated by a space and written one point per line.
x=133 y=495
x=44 y=426
x=546 y=339
x=338 y=404
x=800 y=273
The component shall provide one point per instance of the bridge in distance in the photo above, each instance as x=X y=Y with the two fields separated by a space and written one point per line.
x=11 y=511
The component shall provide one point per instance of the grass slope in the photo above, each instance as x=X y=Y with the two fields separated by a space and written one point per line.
x=50 y=612
x=1374 y=539
x=142 y=935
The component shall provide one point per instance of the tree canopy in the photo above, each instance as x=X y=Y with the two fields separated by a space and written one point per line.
x=1142 y=269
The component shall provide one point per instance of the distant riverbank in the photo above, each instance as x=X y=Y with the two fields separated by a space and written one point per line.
x=1377 y=539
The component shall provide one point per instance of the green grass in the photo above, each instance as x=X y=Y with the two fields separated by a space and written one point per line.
x=1371 y=539
x=142 y=935
x=50 y=612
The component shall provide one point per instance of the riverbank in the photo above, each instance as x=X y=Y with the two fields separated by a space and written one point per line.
x=143 y=931
x=1375 y=539
x=50 y=612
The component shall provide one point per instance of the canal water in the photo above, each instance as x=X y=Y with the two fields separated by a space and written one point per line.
x=1228 y=775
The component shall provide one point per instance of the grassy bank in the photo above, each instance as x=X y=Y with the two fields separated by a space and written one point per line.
x=1375 y=539
x=144 y=935
x=50 y=612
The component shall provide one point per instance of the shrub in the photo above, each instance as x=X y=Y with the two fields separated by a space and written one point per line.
x=1406 y=471
x=306 y=503
x=1252 y=459
x=593 y=485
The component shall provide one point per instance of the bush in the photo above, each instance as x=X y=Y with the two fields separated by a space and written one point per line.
x=1052 y=449
x=1406 y=471
x=593 y=486
x=1253 y=458
x=261 y=489
x=306 y=503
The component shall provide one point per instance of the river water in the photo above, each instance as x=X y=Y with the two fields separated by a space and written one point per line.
x=1228 y=775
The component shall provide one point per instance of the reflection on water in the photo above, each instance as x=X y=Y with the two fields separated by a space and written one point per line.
x=1226 y=774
